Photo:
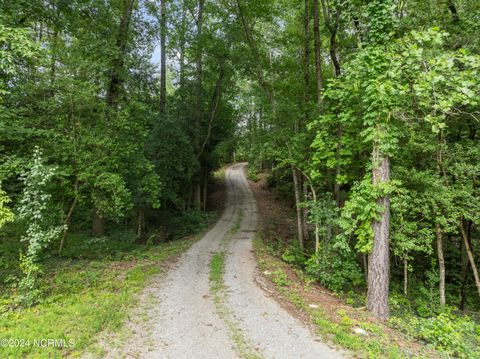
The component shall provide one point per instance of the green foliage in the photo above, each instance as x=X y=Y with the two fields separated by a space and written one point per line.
x=455 y=335
x=334 y=267
x=280 y=278
x=110 y=196
x=35 y=211
x=6 y=215
x=252 y=174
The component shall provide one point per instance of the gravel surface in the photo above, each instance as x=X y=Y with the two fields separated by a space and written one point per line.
x=180 y=319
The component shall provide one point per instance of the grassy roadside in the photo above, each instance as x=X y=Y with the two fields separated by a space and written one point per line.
x=361 y=336
x=84 y=297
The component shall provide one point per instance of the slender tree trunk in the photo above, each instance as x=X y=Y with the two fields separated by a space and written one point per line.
x=405 y=277
x=379 y=260
x=338 y=169
x=216 y=98
x=306 y=232
x=199 y=69
x=53 y=60
x=68 y=218
x=306 y=60
x=297 y=190
x=198 y=196
x=464 y=276
x=163 y=58
x=333 y=52
x=182 y=45
x=441 y=262
x=116 y=77
x=318 y=56
x=365 y=266
x=205 y=187
x=141 y=224
x=470 y=255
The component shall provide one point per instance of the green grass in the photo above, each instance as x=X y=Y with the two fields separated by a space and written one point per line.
x=217 y=288
x=83 y=297
x=216 y=269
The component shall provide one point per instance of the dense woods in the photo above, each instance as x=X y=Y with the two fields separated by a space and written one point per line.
x=363 y=113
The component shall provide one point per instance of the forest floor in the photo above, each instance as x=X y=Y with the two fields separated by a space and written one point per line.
x=211 y=303
x=327 y=314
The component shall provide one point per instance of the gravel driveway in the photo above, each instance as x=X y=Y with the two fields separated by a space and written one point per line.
x=181 y=320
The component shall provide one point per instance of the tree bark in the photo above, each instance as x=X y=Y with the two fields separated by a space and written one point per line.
x=163 y=58
x=464 y=276
x=98 y=224
x=470 y=255
x=379 y=260
x=296 y=188
x=68 y=218
x=306 y=232
x=116 y=77
x=182 y=46
x=318 y=56
x=306 y=59
x=199 y=69
x=216 y=98
x=198 y=196
x=405 y=277
x=141 y=224
x=205 y=188
x=441 y=262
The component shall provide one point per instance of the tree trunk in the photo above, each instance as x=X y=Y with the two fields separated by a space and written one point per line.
x=296 y=187
x=205 y=187
x=318 y=55
x=98 y=224
x=441 y=262
x=199 y=71
x=141 y=224
x=163 y=58
x=306 y=60
x=470 y=255
x=405 y=277
x=306 y=232
x=379 y=260
x=464 y=276
x=67 y=220
x=216 y=98
x=333 y=52
x=182 y=46
x=198 y=196
x=116 y=78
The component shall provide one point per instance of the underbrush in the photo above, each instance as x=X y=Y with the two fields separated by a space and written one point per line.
x=455 y=335
x=442 y=333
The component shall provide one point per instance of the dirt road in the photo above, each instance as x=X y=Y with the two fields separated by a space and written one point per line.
x=183 y=319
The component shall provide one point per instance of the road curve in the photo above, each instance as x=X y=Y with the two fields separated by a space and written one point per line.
x=184 y=322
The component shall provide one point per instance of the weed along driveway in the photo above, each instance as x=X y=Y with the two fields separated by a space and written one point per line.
x=209 y=305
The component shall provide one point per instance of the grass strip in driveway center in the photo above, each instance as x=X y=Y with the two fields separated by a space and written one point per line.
x=217 y=288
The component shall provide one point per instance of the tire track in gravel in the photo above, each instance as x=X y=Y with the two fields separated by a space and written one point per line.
x=269 y=327
x=182 y=319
